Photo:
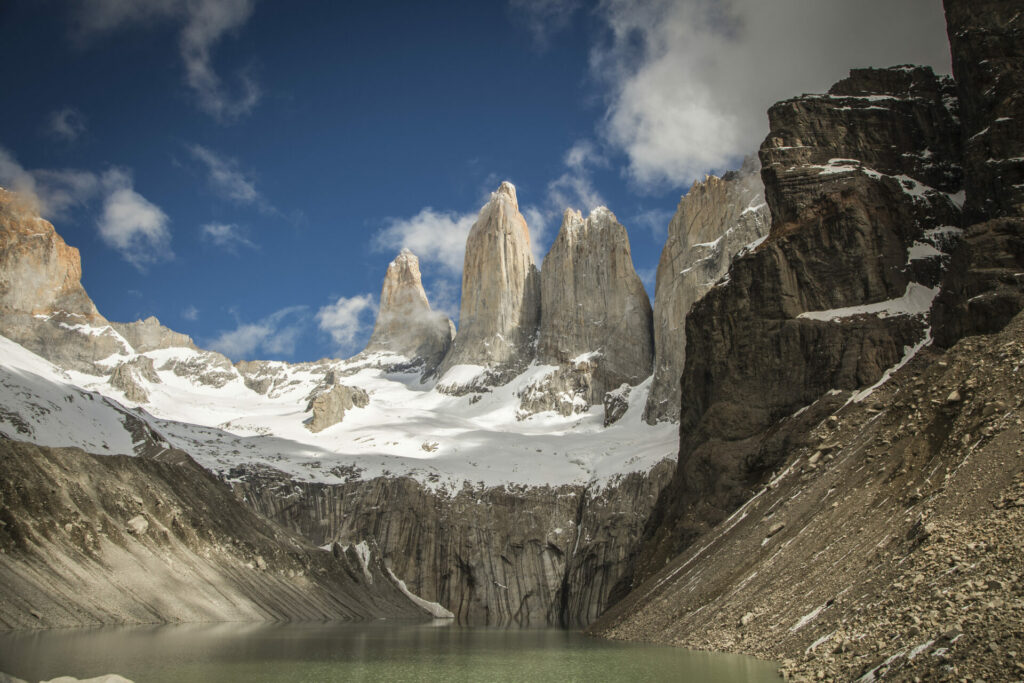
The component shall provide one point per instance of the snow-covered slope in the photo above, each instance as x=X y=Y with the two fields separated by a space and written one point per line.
x=407 y=428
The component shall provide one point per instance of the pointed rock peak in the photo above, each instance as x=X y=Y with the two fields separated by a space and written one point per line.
x=405 y=261
x=571 y=218
x=508 y=190
x=603 y=214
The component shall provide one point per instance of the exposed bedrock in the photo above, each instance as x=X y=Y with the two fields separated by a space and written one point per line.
x=528 y=556
x=861 y=183
x=405 y=324
x=89 y=540
x=716 y=219
x=595 y=316
x=500 y=308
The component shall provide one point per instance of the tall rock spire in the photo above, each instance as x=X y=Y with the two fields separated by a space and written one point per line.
x=405 y=323
x=595 y=316
x=500 y=308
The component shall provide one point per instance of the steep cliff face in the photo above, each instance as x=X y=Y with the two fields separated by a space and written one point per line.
x=861 y=183
x=43 y=305
x=150 y=335
x=405 y=324
x=500 y=308
x=595 y=316
x=89 y=540
x=714 y=221
x=985 y=287
x=517 y=555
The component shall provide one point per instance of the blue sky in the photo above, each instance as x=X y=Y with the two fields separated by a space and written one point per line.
x=246 y=169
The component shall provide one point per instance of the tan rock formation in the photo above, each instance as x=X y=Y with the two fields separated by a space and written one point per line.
x=595 y=316
x=330 y=406
x=714 y=221
x=405 y=324
x=150 y=335
x=500 y=308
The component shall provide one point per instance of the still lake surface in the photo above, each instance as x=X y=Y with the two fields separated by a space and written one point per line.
x=378 y=651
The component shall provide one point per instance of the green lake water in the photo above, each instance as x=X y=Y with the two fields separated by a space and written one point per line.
x=378 y=651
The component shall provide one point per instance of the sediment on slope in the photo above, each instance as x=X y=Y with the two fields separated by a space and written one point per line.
x=528 y=556
x=888 y=542
x=89 y=540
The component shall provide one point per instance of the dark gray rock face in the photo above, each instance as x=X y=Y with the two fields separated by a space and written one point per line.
x=595 y=316
x=500 y=308
x=405 y=324
x=855 y=180
x=90 y=540
x=527 y=556
x=984 y=287
x=716 y=219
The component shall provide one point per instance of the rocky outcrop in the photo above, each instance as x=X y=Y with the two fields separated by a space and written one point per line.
x=43 y=305
x=329 y=407
x=150 y=335
x=714 y=221
x=516 y=555
x=89 y=540
x=405 y=324
x=595 y=316
x=888 y=545
x=130 y=377
x=984 y=287
x=500 y=308
x=859 y=183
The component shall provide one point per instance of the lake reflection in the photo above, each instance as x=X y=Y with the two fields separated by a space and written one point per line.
x=377 y=651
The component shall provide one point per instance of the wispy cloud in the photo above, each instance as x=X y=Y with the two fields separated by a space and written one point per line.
x=688 y=83
x=225 y=177
x=655 y=221
x=543 y=18
x=275 y=334
x=190 y=313
x=132 y=224
x=66 y=124
x=227 y=236
x=203 y=24
x=346 y=319
x=437 y=237
x=128 y=222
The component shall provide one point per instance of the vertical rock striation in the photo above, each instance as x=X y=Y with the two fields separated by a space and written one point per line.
x=860 y=183
x=595 y=316
x=405 y=324
x=714 y=221
x=500 y=308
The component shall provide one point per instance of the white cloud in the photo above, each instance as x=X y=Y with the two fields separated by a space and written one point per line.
x=434 y=236
x=66 y=124
x=225 y=177
x=203 y=24
x=544 y=18
x=689 y=82
x=190 y=313
x=132 y=224
x=275 y=334
x=346 y=319
x=129 y=223
x=227 y=236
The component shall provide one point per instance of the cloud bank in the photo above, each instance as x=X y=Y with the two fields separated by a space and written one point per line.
x=688 y=83
x=346 y=319
x=275 y=334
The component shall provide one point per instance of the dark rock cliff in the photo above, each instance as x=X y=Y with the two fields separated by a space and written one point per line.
x=520 y=555
x=860 y=182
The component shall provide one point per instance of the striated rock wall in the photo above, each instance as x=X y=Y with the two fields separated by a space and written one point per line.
x=859 y=182
x=89 y=540
x=405 y=324
x=714 y=221
x=595 y=316
x=500 y=308
x=150 y=335
x=526 y=556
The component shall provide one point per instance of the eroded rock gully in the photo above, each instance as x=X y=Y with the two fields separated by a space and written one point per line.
x=517 y=555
